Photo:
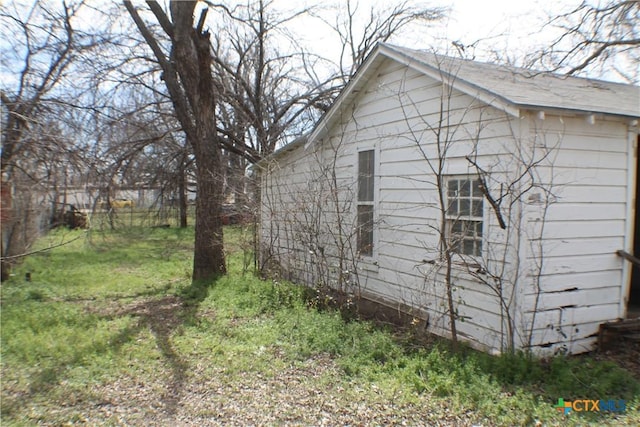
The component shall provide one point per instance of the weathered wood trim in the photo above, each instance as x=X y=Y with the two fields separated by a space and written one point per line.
x=616 y=331
x=632 y=154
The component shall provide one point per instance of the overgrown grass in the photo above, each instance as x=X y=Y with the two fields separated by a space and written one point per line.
x=106 y=306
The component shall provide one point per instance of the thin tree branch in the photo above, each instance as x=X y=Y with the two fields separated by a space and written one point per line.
x=6 y=258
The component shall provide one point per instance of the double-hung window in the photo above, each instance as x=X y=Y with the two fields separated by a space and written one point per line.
x=366 y=174
x=464 y=215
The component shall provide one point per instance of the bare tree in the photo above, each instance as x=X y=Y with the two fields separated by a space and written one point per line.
x=269 y=94
x=434 y=137
x=605 y=35
x=42 y=44
x=260 y=69
x=269 y=87
x=146 y=150
x=186 y=66
x=507 y=184
x=360 y=28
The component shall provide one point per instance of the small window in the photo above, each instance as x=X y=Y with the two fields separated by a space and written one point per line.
x=464 y=215
x=365 y=229
x=366 y=174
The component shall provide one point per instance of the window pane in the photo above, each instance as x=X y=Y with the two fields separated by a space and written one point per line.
x=476 y=188
x=453 y=208
x=477 y=208
x=478 y=229
x=467 y=247
x=470 y=228
x=465 y=188
x=452 y=188
x=464 y=207
x=365 y=175
x=457 y=227
x=365 y=229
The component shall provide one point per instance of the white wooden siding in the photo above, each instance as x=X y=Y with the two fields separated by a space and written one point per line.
x=586 y=170
x=581 y=279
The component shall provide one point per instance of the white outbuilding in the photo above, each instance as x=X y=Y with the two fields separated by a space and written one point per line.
x=496 y=200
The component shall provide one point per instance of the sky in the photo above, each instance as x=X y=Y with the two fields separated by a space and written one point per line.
x=515 y=26
x=511 y=28
x=506 y=31
x=476 y=19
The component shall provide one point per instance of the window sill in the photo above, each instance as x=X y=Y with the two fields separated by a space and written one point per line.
x=469 y=264
x=369 y=264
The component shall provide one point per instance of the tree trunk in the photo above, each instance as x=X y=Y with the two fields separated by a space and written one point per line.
x=192 y=57
x=450 y=303
x=187 y=75
x=445 y=249
x=208 y=257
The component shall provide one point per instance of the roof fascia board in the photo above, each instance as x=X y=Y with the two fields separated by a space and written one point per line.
x=575 y=112
x=438 y=74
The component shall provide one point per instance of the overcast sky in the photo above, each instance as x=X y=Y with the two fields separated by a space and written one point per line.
x=509 y=27
x=515 y=25
x=479 y=18
x=490 y=30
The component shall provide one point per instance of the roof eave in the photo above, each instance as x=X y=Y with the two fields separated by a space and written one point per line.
x=439 y=73
x=576 y=112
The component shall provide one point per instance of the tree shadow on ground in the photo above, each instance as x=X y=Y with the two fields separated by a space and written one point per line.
x=163 y=317
x=161 y=314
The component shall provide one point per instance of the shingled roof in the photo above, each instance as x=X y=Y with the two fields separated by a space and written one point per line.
x=530 y=89
x=508 y=88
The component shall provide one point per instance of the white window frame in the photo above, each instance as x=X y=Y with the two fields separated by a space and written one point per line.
x=465 y=215
x=368 y=200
